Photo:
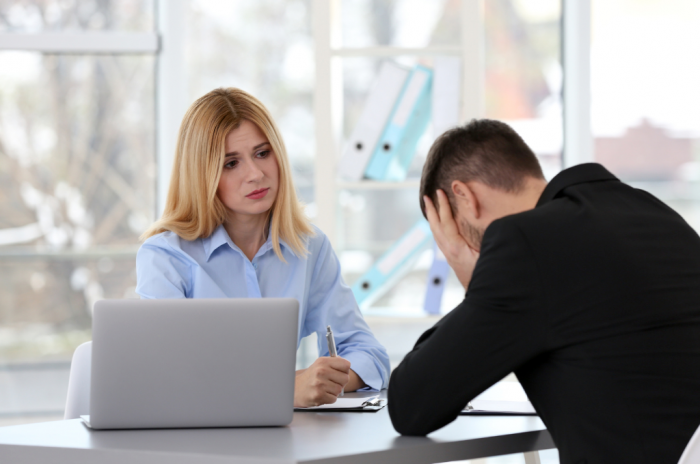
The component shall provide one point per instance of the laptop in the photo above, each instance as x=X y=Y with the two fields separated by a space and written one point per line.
x=193 y=363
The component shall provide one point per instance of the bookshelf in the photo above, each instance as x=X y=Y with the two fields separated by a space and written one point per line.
x=328 y=96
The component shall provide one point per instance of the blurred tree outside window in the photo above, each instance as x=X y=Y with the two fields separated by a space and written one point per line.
x=77 y=188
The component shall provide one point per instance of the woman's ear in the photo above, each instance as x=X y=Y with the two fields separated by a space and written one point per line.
x=467 y=202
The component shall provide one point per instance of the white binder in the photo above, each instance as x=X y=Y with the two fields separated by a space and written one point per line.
x=392 y=265
x=446 y=93
x=374 y=117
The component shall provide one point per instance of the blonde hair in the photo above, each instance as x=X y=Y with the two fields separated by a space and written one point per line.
x=193 y=209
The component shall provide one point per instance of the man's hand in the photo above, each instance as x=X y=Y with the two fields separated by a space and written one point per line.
x=460 y=256
x=321 y=383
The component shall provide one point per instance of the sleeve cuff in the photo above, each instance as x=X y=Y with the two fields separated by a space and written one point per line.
x=366 y=368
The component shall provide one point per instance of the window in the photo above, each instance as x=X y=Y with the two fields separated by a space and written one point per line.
x=77 y=187
x=372 y=219
x=265 y=48
x=523 y=77
x=524 y=73
x=522 y=85
x=645 y=98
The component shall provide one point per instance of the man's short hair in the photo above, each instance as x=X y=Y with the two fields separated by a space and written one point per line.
x=483 y=150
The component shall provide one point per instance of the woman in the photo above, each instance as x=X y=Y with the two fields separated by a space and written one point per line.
x=233 y=228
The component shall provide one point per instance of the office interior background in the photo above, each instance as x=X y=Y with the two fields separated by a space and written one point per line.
x=92 y=93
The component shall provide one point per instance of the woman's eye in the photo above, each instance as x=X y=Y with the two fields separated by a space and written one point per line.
x=263 y=154
x=231 y=164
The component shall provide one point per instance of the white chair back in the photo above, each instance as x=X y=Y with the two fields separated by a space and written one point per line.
x=691 y=455
x=78 y=401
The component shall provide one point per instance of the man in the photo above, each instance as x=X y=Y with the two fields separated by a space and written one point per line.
x=586 y=288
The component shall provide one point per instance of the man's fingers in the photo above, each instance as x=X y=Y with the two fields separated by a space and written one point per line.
x=446 y=219
x=430 y=211
x=434 y=221
x=433 y=215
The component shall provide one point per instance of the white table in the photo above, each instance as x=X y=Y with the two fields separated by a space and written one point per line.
x=336 y=438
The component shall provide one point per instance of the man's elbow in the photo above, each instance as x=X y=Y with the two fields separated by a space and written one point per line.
x=413 y=421
x=405 y=425
x=410 y=416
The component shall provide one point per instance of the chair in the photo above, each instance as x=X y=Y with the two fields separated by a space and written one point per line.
x=691 y=455
x=78 y=401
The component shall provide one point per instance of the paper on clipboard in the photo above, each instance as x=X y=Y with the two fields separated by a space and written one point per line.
x=499 y=408
x=350 y=405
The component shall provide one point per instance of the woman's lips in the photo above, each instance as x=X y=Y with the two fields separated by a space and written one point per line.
x=258 y=194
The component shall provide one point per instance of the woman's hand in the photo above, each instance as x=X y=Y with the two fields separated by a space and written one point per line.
x=322 y=382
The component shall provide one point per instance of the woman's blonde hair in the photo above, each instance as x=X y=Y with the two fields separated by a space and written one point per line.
x=193 y=209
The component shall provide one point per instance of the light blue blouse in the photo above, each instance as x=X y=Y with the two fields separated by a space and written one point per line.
x=214 y=267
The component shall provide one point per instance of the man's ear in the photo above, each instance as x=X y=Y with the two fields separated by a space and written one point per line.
x=466 y=199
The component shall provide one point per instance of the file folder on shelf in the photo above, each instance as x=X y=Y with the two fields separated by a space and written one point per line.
x=446 y=92
x=396 y=148
x=392 y=265
x=379 y=104
x=435 y=286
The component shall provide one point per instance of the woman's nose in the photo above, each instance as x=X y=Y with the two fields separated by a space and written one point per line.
x=254 y=172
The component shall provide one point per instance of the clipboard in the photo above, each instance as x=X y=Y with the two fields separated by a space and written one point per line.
x=373 y=404
x=498 y=408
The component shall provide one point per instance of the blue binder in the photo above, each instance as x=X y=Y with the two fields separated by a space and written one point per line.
x=392 y=265
x=435 y=286
x=396 y=148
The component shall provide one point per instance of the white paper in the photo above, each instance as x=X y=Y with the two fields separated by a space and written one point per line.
x=514 y=407
x=342 y=403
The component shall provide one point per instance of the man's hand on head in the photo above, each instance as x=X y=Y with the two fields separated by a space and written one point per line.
x=460 y=256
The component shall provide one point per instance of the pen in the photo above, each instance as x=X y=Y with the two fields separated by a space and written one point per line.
x=332 y=350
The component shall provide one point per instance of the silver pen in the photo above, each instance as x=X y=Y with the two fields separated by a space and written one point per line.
x=331 y=349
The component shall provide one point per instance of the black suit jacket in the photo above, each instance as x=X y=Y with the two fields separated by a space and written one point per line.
x=593 y=300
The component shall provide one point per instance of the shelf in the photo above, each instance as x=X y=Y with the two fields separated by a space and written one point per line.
x=396 y=51
x=32 y=253
x=377 y=185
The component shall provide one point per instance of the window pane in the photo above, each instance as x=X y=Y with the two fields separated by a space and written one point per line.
x=646 y=98
x=76 y=138
x=265 y=48
x=524 y=73
x=44 y=300
x=399 y=23
x=44 y=317
x=83 y=15
x=77 y=189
